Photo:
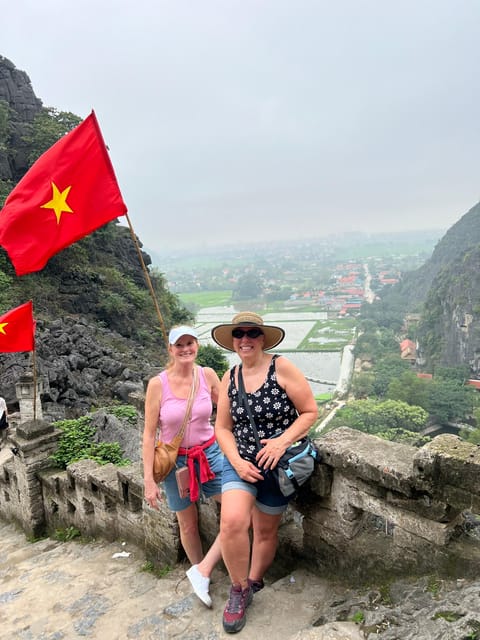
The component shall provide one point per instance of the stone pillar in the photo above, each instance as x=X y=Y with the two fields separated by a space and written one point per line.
x=34 y=442
x=25 y=396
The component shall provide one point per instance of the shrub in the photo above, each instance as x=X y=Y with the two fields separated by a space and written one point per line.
x=76 y=443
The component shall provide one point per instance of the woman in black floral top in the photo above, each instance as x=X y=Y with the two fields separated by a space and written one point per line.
x=284 y=409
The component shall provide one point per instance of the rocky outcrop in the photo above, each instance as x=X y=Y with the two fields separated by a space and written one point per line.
x=17 y=92
x=16 y=89
x=446 y=291
x=451 y=324
x=79 y=368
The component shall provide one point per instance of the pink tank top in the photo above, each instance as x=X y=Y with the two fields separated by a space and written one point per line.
x=172 y=412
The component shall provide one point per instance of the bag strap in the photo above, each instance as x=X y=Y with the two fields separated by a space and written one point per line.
x=243 y=398
x=188 y=411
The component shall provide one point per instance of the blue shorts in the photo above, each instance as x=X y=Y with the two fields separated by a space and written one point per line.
x=208 y=489
x=268 y=497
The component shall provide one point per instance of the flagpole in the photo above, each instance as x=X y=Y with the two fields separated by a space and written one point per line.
x=149 y=282
x=34 y=367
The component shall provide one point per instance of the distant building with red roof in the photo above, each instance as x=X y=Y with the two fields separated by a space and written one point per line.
x=408 y=350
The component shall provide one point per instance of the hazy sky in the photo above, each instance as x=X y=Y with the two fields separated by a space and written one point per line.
x=243 y=120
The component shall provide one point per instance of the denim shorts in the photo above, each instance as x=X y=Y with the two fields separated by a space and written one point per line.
x=268 y=497
x=208 y=489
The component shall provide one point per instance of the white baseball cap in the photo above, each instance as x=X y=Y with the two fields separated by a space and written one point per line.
x=178 y=332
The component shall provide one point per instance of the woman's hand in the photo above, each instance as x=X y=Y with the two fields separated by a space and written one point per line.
x=273 y=450
x=152 y=494
x=247 y=471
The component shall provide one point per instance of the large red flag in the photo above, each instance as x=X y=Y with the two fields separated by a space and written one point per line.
x=70 y=191
x=17 y=329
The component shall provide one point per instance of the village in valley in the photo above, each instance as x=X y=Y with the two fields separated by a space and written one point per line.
x=334 y=275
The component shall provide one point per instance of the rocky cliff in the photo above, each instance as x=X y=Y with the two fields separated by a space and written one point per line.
x=446 y=291
x=23 y=105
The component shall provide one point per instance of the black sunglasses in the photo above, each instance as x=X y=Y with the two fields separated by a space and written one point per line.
x=250 y=333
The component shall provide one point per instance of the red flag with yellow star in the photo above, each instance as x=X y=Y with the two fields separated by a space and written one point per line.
x=69 y=192
x=17 y=329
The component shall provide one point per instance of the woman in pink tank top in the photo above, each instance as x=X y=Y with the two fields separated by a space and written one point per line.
x=165 y=408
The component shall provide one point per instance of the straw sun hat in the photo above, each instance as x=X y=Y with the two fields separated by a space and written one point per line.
x=222 y=333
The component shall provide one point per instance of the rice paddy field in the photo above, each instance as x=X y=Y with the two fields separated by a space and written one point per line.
x=312 y=342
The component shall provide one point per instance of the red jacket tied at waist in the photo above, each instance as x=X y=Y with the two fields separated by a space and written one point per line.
x=197 y=453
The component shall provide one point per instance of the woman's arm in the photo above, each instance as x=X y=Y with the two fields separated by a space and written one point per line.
x=296 y=386
x=213 y=382
x=153 y=399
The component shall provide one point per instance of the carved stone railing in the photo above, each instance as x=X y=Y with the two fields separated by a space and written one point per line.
x=378 y=506
x=99 y=500
x=373 y=506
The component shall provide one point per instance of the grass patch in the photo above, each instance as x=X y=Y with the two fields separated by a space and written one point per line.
x=449 y=616
x=385 y=595
x=33 y=539
x=126 y=411
x=358 y=617
x=158 y=572
x=434 y=585
x=323 y=398
x=201 y=299
x=65 y=535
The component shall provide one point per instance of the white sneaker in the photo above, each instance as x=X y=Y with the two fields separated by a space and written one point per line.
x=199 y=584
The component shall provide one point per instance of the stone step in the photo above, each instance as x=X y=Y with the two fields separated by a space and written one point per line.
x=51 y=590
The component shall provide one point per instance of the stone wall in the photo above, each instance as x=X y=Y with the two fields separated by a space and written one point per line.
x=373 y=507
x=99 y=500
x=378 y=506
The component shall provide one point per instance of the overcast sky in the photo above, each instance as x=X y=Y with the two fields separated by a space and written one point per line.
x=242 y=120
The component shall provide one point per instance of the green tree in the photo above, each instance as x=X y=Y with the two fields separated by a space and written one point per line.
x=455 y=374
x=248 y=287
x=362 y=384
x=48 y=127
x=5 y=283
x=376 y=343
x=5 y=187
x=450 y=400
x=211 y=356
x=408 y=387
x=472 y=436
x=387 y=369
x=387 y=313
x=372 y=416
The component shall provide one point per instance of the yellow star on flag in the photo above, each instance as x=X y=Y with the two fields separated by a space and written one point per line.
x=2 y=330
x=58 y=202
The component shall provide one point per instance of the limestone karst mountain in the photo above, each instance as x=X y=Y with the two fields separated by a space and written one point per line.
x=98 y=333
x=446 y=292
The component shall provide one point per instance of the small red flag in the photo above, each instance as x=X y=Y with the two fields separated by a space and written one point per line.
x=17 y=329
x=70 y=191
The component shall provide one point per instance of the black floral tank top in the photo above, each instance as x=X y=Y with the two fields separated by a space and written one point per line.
x=272 y=411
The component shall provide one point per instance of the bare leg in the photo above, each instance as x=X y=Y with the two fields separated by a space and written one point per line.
x=189 y=533
x=265 y=541
x=202 y=567
x=213 y=555
x=211 y=559
x=234 y=534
